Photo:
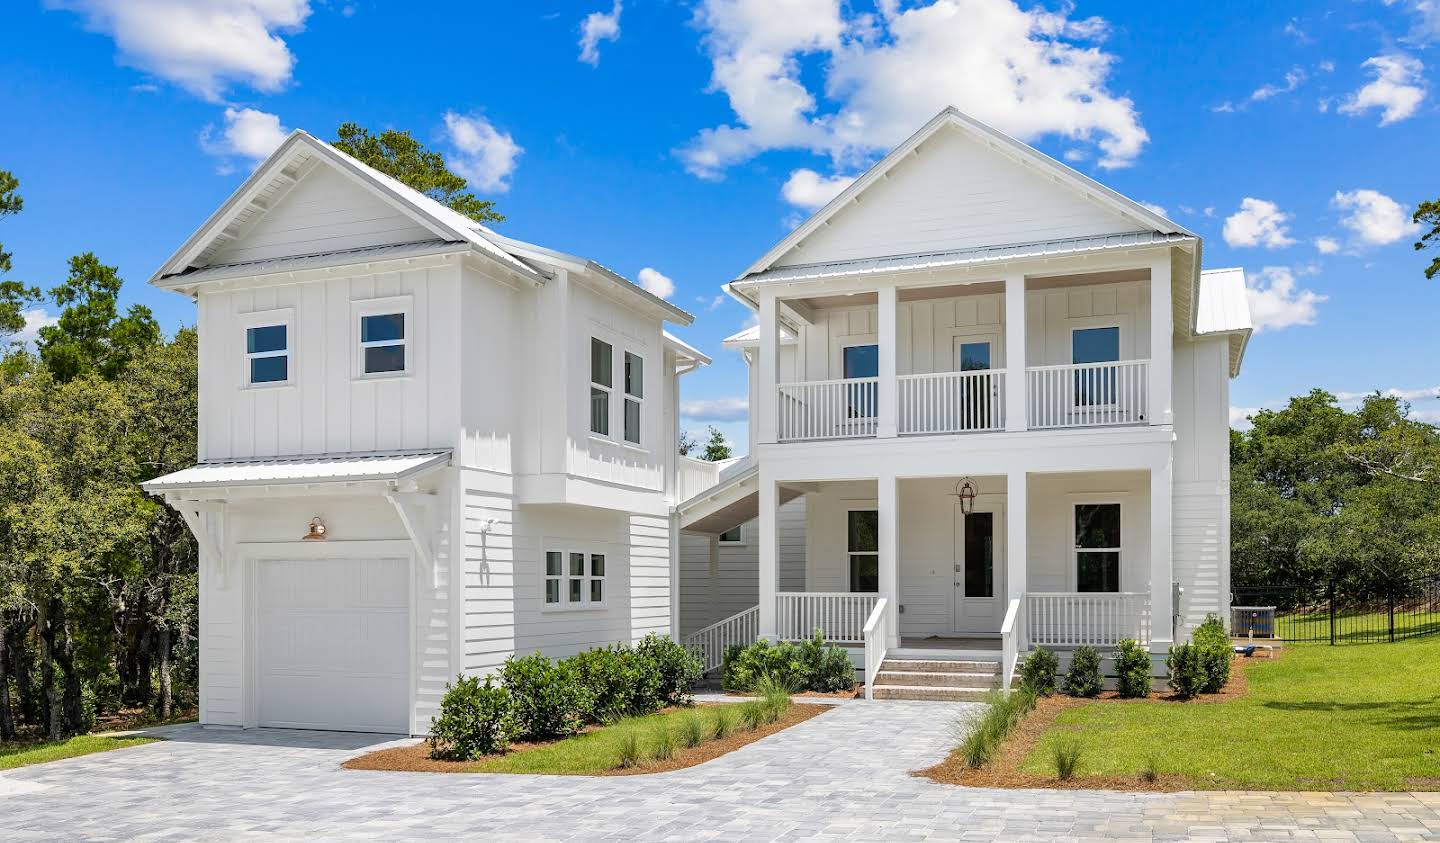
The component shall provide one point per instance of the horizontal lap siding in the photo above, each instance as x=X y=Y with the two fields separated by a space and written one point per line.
x=649 y=548
x=735 y=584
x=1199 y=522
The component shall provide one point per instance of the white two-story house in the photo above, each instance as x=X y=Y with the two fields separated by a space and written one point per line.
x=989 y=412
x=423 y=447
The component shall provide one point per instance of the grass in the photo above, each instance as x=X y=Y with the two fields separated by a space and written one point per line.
x=1352 y=625
x=629 y=743
x=1357 y=717
x=23 y=755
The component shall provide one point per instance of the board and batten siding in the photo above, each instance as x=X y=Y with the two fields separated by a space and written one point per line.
x=711 y=592
x=326 y=211
x=328 y=407
x=955 y=193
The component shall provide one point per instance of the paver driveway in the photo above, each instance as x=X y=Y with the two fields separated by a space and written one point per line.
x=841 y=775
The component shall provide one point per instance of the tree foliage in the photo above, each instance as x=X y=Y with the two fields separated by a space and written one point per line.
x=716 y=448
x=14 y=296
x=399 y=155
x=1428 y=214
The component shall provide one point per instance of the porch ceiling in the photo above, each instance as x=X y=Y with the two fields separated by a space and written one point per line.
x=737 y=512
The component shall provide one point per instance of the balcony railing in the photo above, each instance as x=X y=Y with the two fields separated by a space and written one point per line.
x=952 y=402
x=834 y=409
x=1099 y=619
x=1088 y=394
x=694 y=476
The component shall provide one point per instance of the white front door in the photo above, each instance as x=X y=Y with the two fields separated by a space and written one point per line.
x=332 y=644
x=979 y=569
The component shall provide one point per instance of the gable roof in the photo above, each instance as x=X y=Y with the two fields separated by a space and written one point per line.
x=951 y=117
x=1224 y=308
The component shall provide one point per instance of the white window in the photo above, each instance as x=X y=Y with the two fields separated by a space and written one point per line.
x=267 y=354
x=734 y=535
x=862 y=542
x=1095 y=385
x=602 y=380
x=634 y=394
x=383 y=340
x=1097 y=547
x=574 y=579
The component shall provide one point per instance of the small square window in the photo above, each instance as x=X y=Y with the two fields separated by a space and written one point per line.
x=574 y=580
x=267 y=351
x=269 y=369
x=382 y=343
x=385 y=358
x=597 y=564
x=597 y=591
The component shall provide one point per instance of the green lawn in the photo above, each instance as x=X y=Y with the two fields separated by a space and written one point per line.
x=599 y=751
x=12 y=756
x=1355 y=717
x=1351 y=625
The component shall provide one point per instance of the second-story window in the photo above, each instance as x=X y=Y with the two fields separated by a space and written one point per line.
x=602 y=380
x=382 y=343
x=634 y=394
x=267 y=353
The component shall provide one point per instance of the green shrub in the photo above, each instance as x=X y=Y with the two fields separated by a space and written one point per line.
x=1215 y=653
x=744 y=666
x=549 y=701
x=692 y=730
x=1067 y=751
x=1038 y=671
x=668 y=668
x=663 y=743
x=1083 y=678
x=723 y=723
x=752 y=714
x=629 y=751
x=608 y=677
x=475 y=719
x=1187 y=672
x=1132 y=666
x=980 y=735
x=1151 y=771
x=774 y=697
x=827 y=668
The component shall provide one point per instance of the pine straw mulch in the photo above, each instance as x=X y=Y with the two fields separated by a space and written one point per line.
x=1004 y=771
x=416 y=757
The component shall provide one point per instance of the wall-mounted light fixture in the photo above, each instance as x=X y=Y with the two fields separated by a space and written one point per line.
x=318 y=530
x=965 y=492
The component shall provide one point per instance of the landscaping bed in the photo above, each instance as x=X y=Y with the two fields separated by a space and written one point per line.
x=596 y=751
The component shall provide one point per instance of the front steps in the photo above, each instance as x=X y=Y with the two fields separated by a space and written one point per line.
x=938 y=679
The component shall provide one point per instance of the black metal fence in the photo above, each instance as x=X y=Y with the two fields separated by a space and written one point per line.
x=1328 y=612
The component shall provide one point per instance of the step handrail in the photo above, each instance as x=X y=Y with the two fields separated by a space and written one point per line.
x=711 y=642
x=1010 y=641
x=874 y=636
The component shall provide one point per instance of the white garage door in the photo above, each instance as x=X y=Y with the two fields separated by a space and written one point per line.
x=333 y=644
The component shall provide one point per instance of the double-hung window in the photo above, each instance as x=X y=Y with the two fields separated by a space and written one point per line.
x=267 y=354
x=574 y=579
x=602 y=381
x=383 y=341
x=1097 y=547
x=634 y=394
x=862 y=541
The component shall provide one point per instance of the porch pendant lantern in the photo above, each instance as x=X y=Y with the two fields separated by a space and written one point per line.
x=965 y=492
x=317 y=530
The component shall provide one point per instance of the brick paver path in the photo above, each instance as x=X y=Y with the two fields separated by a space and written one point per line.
x=843 y=775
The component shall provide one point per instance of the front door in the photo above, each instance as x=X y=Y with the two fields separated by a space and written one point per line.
x=979 y=570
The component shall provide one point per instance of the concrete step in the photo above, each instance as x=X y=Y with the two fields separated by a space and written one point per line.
x=935 y=694
x=933 y=666
x=937 y=679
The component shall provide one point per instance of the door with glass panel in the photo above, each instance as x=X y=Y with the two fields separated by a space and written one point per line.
x=862 y=400
x=979 y=570
x=976 y=396
x=1094 y=384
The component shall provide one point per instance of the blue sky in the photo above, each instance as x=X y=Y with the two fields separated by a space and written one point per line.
x=685 y=138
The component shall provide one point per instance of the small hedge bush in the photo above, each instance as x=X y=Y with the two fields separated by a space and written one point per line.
x=549 y=699
x=475 y=719
x=1038 y=671
x=1215 y=652
x=1132 y=666
x=609 y=676
x=1187 y=671
x=673 y=669
x=1083 y=678
x=812 y=666
x=826 y=668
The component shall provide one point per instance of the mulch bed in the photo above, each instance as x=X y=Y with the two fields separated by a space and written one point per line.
x=1004 y=771
x=416 y=758
x=850 y=694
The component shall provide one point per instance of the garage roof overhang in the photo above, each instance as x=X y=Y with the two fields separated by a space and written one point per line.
x=373 y=472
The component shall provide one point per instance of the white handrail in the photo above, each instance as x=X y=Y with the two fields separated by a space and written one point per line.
x=694 y=476
x=1010 y=633
x=952 y=402
x=845 y=408
x=874 y=636
x=1097 y=619
x=741 y=628
x=1088 y=394
x=839 y=615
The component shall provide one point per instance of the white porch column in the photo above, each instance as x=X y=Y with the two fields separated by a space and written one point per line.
x=1017 y=500
x=887 y=425
x=1162 y=342
x=888 y=503
x=1015 y=418
x=769 y=554
x=1161 y=558
x=769 y=365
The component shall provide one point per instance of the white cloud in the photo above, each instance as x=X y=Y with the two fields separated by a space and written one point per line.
x=1427 y=19
x=656 y=283
x=1275 y=303
x=485 y=156
x=1240 y=417
x=1258 y=223
x=1327 y=245
x=1424 y=393
x=711 y=303
x=1156 y=209
x=35 y=319
x=1374 y=218
x=716 y=409
x=247 y=133
x=1293 y=78
x=809 y=190
x=1027 y=72
x=1397 y=88
x=597 y=27
x=204 y=46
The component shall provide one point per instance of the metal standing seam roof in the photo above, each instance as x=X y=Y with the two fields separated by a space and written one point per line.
x=320 y=260
x=1223 y=304
x=282 y=470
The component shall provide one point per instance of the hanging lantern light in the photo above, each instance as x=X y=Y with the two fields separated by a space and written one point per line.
x=965 y=492
x=317 y=530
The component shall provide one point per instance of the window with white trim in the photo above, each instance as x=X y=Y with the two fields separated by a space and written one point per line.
x=602 y=381
x=862 y=542
x=634 y=394
x=734 y=535
x=267 y=354
x=574 y=579
x=1097 y=547
x=383 y=340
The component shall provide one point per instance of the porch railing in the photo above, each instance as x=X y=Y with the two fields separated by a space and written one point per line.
x=1070 y=619
x=835 y=409
x=1012 y=636
x=711 y=642
x=694 y=476
x=840 y=616
x=873 y=635
x=1088 y=394
x=952 y=402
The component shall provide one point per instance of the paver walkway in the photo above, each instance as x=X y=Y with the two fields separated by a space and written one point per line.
x=842 y=775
